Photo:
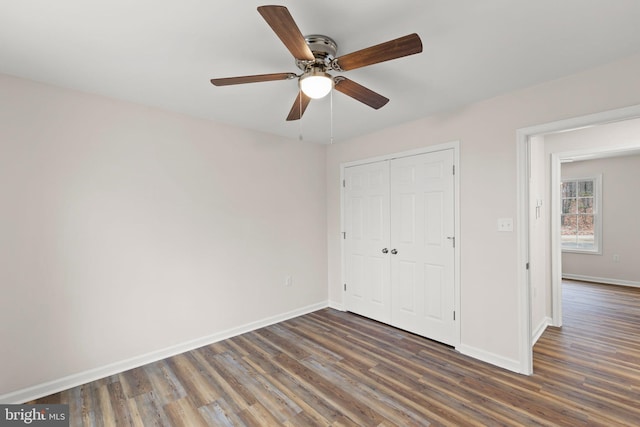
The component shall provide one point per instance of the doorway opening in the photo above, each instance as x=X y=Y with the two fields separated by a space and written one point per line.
x=527 y=139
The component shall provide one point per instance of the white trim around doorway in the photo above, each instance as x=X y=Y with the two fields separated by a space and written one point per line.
x=523 y=136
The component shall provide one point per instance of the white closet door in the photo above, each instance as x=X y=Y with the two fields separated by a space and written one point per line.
x=366 y=219
x=422 y=222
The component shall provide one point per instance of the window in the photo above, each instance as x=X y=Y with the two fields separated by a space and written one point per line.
x=581 y=210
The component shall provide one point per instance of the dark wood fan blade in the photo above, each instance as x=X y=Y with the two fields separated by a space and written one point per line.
x=298 y=107
x=282 y=23
x=359 y=92
x=403 y=46
x=252 y=79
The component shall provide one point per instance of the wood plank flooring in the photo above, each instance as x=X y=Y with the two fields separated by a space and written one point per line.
x=330 y=368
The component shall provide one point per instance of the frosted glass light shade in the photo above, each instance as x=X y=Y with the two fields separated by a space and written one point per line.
x=316 y=85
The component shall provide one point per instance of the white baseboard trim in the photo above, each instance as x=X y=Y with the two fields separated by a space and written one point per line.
x=74 y=380
x=494 y=359
x=604 y=280
x=337 y=306
x=547 y=321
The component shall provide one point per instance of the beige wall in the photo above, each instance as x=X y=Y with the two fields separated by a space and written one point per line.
x=125 y=230
x=620 y=225
x=487 y=131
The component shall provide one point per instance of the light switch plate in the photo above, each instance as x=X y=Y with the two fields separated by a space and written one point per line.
x=505 y=224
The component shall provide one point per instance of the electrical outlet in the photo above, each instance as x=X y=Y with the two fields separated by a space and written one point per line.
x=505 y=224
x=288 y=281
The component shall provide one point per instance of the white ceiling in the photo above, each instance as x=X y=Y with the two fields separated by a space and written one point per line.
x=162 y=53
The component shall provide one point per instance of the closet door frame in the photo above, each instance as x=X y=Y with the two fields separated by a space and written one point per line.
x=453 y=145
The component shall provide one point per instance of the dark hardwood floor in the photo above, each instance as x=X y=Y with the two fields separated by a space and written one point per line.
x=339 y=369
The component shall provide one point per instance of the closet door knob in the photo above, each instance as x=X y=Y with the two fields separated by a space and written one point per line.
x=393 y=251
x=385 y=250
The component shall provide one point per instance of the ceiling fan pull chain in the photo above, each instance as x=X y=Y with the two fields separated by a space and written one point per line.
x=300 y=119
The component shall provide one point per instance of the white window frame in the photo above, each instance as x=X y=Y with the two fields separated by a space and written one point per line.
x=597 y=215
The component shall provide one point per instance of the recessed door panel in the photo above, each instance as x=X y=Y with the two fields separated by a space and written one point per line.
x=433 y=170
x=357 y=182
x=406 y=286
x=377 y=206
x=406 y=175
x=357 y=272
x=407 y=223
x=435 y=287
x=375 y=272
x=357 y=218
x=433 y=220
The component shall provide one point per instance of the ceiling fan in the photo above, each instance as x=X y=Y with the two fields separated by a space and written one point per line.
x=315 y=55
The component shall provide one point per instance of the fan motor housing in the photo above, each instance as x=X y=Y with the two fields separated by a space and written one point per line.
x=324 y=49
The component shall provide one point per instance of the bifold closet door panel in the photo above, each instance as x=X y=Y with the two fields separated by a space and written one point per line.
x=366 y=218
x=422 y=227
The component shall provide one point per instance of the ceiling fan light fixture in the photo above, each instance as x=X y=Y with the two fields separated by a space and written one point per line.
x=315 y=54
x=316 y=84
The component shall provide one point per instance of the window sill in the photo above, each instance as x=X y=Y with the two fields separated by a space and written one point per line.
x=582 y=251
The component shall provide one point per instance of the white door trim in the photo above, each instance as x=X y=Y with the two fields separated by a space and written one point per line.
x=522 y=230
x=453 y=145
